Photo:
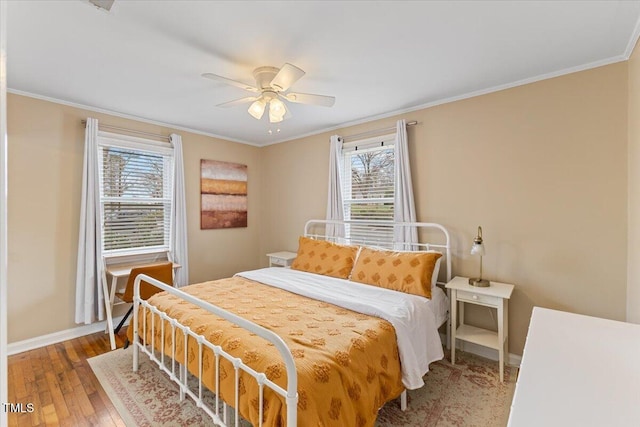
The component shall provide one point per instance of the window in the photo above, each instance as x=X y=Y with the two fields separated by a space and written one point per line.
x=136 y=188
x=368 y=189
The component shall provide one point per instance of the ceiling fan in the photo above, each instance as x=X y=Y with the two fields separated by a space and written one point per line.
x=271 y=88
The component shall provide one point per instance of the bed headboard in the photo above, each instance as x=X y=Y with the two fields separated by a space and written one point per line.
x=431 y=236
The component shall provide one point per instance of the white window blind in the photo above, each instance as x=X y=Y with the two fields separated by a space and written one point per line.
x=368 y=190
x=136 y=187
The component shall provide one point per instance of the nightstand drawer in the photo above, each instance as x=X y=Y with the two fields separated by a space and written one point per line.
x=279 y=261
x=479 y=298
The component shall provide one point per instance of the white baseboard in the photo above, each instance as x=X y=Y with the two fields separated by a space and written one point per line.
x=56 y=337
x=482 y=351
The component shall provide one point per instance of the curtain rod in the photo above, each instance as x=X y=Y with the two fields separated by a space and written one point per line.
x=138 y=132
x=376 y=131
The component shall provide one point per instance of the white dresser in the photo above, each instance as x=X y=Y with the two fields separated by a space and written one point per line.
x=578 y=371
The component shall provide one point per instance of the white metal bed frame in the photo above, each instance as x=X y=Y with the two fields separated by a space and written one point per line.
x=180 y=374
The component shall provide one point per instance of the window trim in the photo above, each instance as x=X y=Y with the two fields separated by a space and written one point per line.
x=134 y=143
x=368 y=142
x=114 y=140
x=386 y=141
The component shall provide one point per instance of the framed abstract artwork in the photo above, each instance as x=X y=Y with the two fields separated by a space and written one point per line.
x=223 y=195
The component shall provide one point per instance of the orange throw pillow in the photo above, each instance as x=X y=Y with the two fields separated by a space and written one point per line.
x=326 y=258
x=408 y=272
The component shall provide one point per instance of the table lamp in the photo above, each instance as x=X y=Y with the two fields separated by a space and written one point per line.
x=478 y=249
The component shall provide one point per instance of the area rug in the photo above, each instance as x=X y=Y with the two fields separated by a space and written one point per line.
x=468 y=393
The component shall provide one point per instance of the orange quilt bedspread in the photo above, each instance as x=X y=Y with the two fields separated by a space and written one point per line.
x=347 y=362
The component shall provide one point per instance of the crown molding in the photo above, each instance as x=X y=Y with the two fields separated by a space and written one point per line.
x=632 y=41
x=570 y=70
x=128 y=116
x=608 y=61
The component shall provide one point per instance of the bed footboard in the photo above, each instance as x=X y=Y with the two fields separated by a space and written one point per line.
x=179 y=373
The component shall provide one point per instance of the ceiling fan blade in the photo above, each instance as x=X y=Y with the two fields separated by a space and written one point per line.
x=309 y=98
x=240 y=101
x=230 y=82
x=288 y=75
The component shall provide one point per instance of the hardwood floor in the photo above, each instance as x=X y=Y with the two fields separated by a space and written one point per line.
x=60 y=385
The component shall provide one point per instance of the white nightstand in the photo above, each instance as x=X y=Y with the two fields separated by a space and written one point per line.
x=496 y=296
x=281 y=259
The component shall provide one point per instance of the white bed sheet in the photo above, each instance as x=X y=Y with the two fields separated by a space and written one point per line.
x=439 y=303
x=415 y=319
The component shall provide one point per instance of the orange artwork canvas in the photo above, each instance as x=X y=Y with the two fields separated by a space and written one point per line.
x=223 y=195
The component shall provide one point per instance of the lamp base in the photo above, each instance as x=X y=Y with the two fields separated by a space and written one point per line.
x=480 y=283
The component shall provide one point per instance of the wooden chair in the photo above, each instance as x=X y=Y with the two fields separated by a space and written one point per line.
x=162 y=272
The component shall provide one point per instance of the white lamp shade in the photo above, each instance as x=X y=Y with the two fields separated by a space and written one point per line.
x=277 y=110
x=257 y=108
x=477 y=249
x=275 y=119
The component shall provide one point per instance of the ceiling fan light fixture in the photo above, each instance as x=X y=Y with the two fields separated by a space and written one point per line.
x=271 y=83
x=277 y=107
x=277 y=110
x=275 y=119
x=257 y=108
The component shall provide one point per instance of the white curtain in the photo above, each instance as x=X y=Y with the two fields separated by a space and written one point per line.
x=404 y=206
x=179 y=219
x=89 y=297
x=335 y=208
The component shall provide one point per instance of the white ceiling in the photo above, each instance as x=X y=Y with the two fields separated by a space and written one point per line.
x=144 y=58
